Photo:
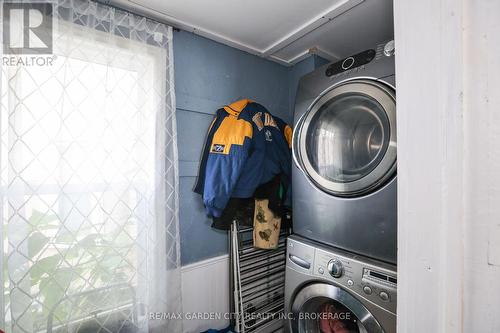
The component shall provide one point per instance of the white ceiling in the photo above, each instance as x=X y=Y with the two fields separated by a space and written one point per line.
x=282 y=30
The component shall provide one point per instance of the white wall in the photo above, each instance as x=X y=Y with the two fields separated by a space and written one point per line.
x=205 y=291
x=448 y=86
x=482 y=165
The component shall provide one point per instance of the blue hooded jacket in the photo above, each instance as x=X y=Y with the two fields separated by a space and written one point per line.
x=245 y=147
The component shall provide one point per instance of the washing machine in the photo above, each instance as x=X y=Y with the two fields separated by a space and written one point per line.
x=328 y=290
x=344 y=149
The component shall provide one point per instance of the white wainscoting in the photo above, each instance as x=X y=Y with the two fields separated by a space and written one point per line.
x=205 y=290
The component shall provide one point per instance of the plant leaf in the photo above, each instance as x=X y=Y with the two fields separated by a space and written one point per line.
x=46 y=265
x=36 y=243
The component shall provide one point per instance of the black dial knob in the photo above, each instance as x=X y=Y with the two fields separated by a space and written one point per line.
x=335 y=268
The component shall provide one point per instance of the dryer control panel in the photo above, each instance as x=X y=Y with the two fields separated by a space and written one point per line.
x=351 y=62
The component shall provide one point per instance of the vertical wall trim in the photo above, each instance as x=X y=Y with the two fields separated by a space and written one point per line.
x=429 y=72
x=482 y=165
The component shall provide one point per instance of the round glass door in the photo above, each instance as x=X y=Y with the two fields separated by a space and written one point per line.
x=324 y=308
x=324 y=315
x=347 y=140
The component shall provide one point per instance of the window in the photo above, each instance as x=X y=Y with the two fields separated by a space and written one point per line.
x=79 y=184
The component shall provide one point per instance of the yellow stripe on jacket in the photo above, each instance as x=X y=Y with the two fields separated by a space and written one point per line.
x=236 y=107
x=288 y=135
x=232 y=131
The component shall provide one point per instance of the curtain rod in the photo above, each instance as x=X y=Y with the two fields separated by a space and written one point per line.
x=110 y=4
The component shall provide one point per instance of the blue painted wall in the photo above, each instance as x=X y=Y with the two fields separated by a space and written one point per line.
x=296 y=72
x=209 y=75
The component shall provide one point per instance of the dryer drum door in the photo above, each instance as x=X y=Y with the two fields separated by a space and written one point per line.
x=324 y=308
x=346 y=142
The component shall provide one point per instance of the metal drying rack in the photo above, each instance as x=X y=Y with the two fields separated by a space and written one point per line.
x=257 y=282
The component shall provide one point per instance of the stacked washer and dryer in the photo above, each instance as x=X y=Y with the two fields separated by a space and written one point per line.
x=341 y=260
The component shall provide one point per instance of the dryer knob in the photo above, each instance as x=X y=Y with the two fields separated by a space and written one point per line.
x=389 y=48
x=335 y=268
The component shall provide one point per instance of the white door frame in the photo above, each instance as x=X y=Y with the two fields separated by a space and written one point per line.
x=448 y=99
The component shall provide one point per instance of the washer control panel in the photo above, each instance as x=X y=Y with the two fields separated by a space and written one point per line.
x=367 y=278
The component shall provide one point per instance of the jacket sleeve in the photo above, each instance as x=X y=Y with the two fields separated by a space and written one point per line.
x=287 y=132
x=199 y=185
x=229 y=150
x=286 y=157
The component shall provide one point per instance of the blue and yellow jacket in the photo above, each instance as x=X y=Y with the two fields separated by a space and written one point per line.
x=245 y=147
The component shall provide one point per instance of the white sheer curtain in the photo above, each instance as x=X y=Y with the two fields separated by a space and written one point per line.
x=89 y=183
